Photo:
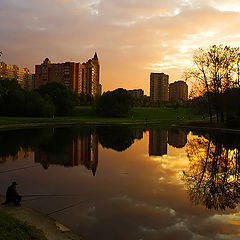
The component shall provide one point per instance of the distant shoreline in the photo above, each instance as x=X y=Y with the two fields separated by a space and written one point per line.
x=209 y=128
x=169 y=123
x=59 y=124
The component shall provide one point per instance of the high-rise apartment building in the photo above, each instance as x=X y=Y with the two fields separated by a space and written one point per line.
x=159 y=84
x=178 y=90
x=22 y=75
x=80 y=78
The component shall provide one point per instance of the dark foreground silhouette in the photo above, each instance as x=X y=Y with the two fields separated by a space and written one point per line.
x=12 y=195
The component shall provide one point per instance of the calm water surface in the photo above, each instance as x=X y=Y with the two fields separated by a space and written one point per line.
x=118 y=183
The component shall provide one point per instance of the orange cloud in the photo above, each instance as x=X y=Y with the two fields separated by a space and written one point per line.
x=132 y=38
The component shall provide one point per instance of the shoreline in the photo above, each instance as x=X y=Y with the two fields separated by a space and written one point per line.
x=170 y=123
x=59 y=124
x=207 y=128
x=47 y=226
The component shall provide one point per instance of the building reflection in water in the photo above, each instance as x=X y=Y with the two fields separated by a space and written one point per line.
x=68 y=147
x=157 y=142
x=159 y=138
x=83 y=151
x=22 y=153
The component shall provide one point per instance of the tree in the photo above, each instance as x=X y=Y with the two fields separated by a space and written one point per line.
x=62 y=98
x=215 y=71
x=15 y=101
x=117 y=103
x=85 y=99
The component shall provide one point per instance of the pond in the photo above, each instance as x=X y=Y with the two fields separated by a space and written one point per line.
x=128 y=183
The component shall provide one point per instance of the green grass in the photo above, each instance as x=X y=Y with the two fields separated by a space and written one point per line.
x=87 y=114
x=164 y=113
x=13 y=229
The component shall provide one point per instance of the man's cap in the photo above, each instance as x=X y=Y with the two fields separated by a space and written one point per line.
x=14 y=183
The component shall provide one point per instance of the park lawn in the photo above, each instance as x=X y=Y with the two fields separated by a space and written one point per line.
x=88 y=114
x=164 y=113
x=13 y=229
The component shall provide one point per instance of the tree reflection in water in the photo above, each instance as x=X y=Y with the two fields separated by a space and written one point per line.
x=213 y=175
x=118 y=138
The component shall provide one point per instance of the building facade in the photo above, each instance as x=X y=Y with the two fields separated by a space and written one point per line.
x=178 y=90
x=80 y=78
x=159 y=85
x=137 y=93
x=22 y=75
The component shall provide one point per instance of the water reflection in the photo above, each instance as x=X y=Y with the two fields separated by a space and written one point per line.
x=118 y=138
x=159 y=138
x=213 y=175
x=177 y=138
x=133 y=195
x=66 y=146
x=82 y=151
x=22 y=153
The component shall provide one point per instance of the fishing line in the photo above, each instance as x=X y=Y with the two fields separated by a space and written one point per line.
x=28 y=200
x=52 y=195
x=16 y=169
x=70 y=206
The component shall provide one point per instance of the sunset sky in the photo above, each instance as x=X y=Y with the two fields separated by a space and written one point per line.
x=132 y=37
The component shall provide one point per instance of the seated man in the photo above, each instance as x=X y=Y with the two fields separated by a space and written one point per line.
x=12 y=195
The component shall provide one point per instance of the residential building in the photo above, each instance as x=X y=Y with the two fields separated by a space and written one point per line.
x=78 y=77
x=22 y=75
x=159 y=84
x=178 y=90
x=137 y=93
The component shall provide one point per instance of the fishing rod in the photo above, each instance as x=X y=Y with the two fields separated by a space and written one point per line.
x=70 y=206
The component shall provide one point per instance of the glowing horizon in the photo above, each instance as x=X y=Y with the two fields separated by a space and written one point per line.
x=132 y=38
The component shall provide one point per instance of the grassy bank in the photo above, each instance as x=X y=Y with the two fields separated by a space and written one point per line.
x=13 y=229
x=87 y=114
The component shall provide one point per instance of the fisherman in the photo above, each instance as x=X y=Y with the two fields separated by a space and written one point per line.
x=12 y=195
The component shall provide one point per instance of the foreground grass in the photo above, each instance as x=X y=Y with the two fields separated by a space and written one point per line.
x=13 y=229
x=87 y=114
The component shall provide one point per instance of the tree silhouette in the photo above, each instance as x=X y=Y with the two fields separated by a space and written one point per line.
x=215 y=71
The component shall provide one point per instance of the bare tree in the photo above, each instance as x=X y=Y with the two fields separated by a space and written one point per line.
x=200 y=76
x=215 y=70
